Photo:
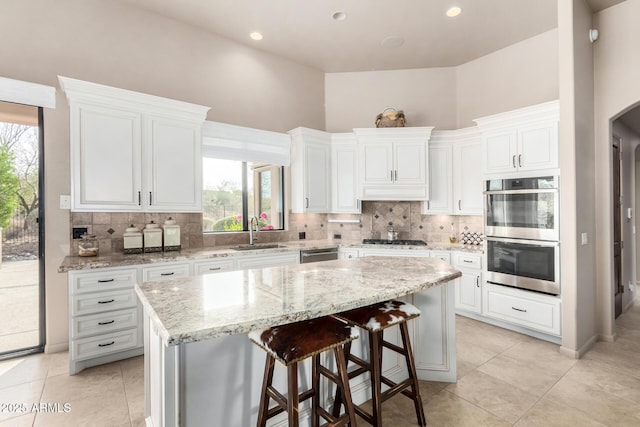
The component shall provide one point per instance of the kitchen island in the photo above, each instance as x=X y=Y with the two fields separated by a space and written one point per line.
x=201 y=369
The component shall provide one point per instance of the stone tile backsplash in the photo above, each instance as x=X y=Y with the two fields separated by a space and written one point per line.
x=406 y=218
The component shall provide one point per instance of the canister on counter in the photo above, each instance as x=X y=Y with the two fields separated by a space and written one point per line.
x=152 y=235
x=132 y=240
x=88 y=246
x=171 y=235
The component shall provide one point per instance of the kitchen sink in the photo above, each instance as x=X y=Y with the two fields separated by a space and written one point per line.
x=257 y=247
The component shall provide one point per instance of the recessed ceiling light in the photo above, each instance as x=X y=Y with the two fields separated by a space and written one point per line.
x=454 y=11
x=256 y=35
x=339 y=16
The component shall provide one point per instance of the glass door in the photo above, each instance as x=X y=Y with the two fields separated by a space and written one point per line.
x=21 y=219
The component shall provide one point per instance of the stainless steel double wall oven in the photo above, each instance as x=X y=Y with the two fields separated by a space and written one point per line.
x=522 y=229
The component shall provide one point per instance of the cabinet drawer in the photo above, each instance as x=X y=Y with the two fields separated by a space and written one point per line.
x=443 y=255
x=212 y=266
x=270 y=260
x=465 y=260
x=104 y=301
x=102 y=280
x=532 y=310
x=95 y=324
x=87 y=348
x=163 y=272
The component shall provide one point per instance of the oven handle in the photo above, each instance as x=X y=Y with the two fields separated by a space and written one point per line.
x=529 y=191
x=545 y=243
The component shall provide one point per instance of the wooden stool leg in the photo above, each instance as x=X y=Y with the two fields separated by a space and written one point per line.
x=343 y=375
x=337 y=401
x=375 y=353
x=264 y=396
x=292 y=398
x=315 y=384
x=411 y=367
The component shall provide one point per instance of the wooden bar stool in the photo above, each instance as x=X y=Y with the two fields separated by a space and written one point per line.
x=291 y=344
x=375 y=319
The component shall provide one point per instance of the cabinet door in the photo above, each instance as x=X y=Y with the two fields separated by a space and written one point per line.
x=538 y=146
x=410 y=163
x=469 y=292
x=346 y=253
x=376 y=164
x=174 y=166
x=317 y=177
x=105 y=159
x=467 y=181
x=500 y=151
x=344 y=178
x=440 y=180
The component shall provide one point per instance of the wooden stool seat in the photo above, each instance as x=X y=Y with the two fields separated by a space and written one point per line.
x=375 y=319
x=293 y=343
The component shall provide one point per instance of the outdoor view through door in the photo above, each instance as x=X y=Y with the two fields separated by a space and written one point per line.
x=21 y=296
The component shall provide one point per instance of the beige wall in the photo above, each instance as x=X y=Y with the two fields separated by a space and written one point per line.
x=520 y=75
x=577 y=186
x=517 y=76
x=427 y=97
x=617 y=88
x=110 y=43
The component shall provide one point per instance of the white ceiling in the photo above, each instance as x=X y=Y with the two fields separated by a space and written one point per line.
x=304 y=31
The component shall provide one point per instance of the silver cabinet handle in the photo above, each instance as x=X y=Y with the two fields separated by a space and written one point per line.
x=106 y=302
x=105 y=280
x=477 y=281
x=514 y=161
x=307 y=200
x=519 y=160
x=106 y=323
x=167 y=274
x=106 y=345
x=358 y=203
x=391 y=173
x=459 y=205
x=468 y=261
x=139 y=198
x=215 y=268
x=395 y=175
x=150 y=198
x=519 y=309
x=428 y=204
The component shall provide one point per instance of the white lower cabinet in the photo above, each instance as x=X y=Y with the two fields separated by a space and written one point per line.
x=105 y=322
x=469 y=286
x=348 y=253
x=529 y=309
x=104 y=325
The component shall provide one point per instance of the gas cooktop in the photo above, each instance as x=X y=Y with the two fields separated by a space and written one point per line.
x=394 y=242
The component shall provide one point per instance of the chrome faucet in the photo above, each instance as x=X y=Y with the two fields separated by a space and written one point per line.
x=251 y=230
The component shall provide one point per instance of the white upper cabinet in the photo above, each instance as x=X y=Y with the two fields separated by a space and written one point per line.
x=521 y=141
x=133 y=152
x=310 y=171
x=455 y=173
x=393 y=163
x=344 y=174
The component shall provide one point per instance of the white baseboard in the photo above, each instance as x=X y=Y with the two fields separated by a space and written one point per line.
x=579 y=353
x=56 y=348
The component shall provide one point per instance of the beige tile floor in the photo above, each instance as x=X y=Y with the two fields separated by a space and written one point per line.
x=504 y=379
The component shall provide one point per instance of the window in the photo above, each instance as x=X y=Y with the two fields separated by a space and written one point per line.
x=236 y=191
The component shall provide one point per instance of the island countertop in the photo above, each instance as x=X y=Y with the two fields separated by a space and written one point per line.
x=204 y=307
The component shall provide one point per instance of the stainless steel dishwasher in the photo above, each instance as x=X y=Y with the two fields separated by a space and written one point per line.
x=315 y=255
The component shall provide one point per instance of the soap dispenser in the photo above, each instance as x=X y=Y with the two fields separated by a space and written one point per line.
x=171 y=232
x=152 y=238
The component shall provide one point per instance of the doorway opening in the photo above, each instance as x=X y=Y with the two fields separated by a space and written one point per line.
x=22 y=230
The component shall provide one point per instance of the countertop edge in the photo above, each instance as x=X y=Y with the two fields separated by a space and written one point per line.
x=77 y=263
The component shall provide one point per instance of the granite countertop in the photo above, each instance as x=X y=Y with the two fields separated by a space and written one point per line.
x=205 y=307
x=120 y=259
